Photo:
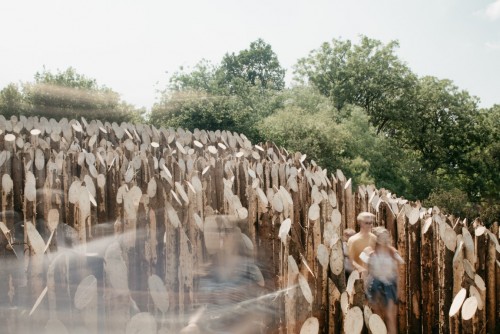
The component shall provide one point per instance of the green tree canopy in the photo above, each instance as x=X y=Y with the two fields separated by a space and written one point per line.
x=368 y=74
x=234 y=95
x=12 y=101
x=73 y=95
x=257 y=66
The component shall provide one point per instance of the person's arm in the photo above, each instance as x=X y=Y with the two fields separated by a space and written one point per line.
x=396 y=255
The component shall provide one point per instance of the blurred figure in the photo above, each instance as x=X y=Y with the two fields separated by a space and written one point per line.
x=361 y=240
x=348 y=267
x=382 y=279
x=232 y=288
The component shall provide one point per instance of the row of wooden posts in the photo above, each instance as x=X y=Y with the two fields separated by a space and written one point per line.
x=118 y=228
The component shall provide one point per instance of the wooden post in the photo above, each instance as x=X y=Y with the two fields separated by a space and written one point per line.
x=402 y=246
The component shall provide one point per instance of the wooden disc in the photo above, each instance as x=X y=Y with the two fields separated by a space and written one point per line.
x=284 y=229
x=306 y=290
x=457 y=302
x=212 y=149
x=101 y=180
x=9 y=137
x=198 y=221
x=7 y=183
x=292 y=265
x=251 y=173
x=242 y=213
x=174 y=195
x=344 y=302
x=85 y=292
x=367 y=313
x=353 y=322
x=469 y=246
x=141 y=323
x=310 y=326
x=450 y=238
x=350 y=282
x=469 y=308
x=30 y=187
x=180 y=147
x=182 y=192
x=158 y=293
x=73 y=192
x=277 y=204
x=328 y=231
x=292 y=183
x=479 y=231
x=427 y=224
x=347 y=184
x=314 y=212
x=414 y=216
x=336 y=259
x=474 y=292
x=262 y=197
x=35 y=132
x=322 y=255
x=53 y=219
x=336 y=218
x=377 y=325
x=35 y=240
x=479 y=283
x=116 y=272
x=172 y=216
x=152 y=186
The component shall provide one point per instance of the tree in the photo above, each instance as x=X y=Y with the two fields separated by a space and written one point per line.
x=73 y=95
x=234 y=95
x=441 y=124
x=204 y=76
x=11 y=101
x=192 y=109
x=316 y=134
x=257 y=66
x=368 y=74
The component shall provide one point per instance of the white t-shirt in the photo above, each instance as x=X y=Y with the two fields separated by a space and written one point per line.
x=383 y=266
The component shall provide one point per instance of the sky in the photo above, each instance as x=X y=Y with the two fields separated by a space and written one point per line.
x=133 y=46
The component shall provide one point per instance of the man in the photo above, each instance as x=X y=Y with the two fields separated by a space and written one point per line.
x=361 y=240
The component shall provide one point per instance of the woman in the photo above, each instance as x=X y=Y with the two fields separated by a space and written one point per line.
x=382 y=279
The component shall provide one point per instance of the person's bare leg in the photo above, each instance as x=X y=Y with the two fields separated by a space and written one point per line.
x=391 y=317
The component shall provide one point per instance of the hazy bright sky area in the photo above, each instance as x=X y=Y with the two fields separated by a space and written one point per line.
x=132 y=46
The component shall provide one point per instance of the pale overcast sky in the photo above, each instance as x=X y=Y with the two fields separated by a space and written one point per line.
x=131 y=46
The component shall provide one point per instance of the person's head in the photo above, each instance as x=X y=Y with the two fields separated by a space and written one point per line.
x=365 y=221
x=348 y=232
x=383 y=237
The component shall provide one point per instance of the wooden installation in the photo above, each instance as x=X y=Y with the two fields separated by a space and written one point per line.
x=121 y=228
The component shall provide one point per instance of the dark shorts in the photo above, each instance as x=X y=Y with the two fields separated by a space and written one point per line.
x=381 y=292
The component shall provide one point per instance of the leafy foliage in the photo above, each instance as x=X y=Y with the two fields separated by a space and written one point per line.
x=368 y=74
x=257 y=66
x=72 y=95
x=234 y=95
x=11 y=101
